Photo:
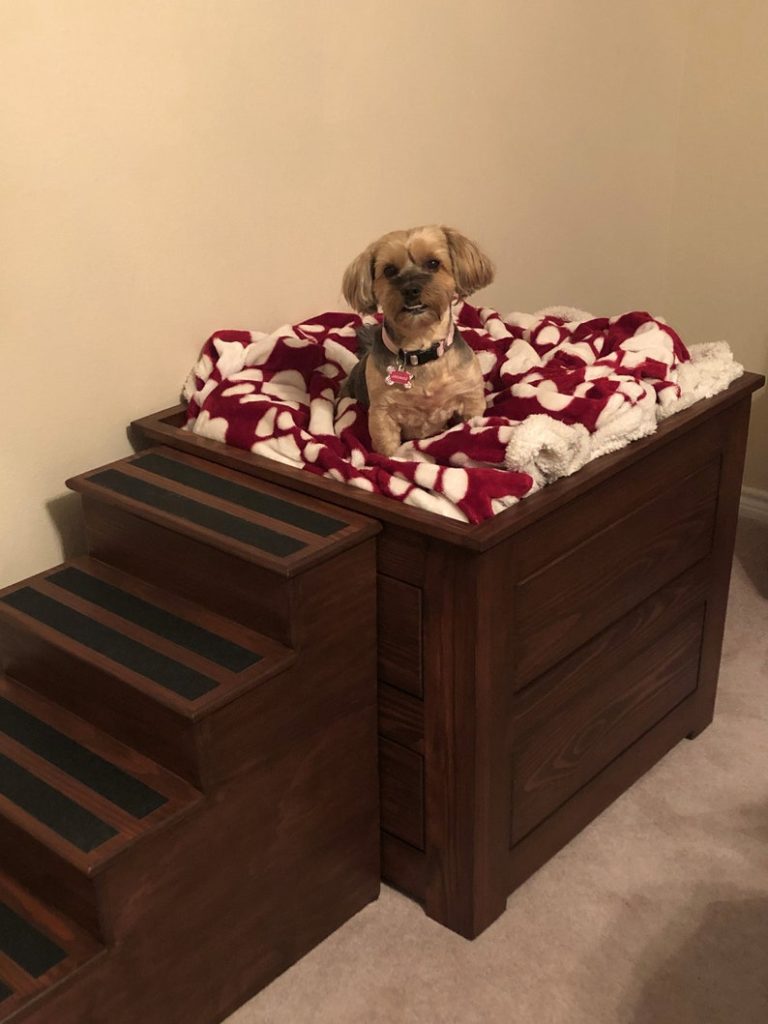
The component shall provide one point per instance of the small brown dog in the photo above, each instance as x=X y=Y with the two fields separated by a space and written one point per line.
x=416 y=373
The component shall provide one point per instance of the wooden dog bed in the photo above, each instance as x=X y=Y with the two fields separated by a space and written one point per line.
x=533 y=666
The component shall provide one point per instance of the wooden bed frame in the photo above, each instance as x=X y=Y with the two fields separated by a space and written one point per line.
x=534 y=666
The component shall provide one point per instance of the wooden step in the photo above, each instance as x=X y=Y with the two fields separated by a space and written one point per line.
x=277 y=529
x=39 y=948
x=139 y=662
x=238 y=545
x=72 y=799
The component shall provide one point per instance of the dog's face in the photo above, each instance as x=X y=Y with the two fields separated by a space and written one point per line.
x=414 y=276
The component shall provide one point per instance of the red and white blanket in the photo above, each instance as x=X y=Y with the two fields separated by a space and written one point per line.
x=562 y=388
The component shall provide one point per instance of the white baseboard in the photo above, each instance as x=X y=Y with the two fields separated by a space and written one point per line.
x=754 y=504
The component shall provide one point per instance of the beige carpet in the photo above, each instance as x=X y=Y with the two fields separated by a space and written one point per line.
x=656 y=914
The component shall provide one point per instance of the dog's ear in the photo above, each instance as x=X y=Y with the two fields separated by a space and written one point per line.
x=357 y=285
x=472 y=270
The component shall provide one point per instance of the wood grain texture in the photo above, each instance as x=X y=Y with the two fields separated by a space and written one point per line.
x=308 y=549
x=403 y=866
x=597 y=716
x=734 y=425
x=401 y=773
x=205 y=892
x=399 y=634
x=202 y=941
x=518 y=615
x=599 y=579
x=661 y=513
x=401 y=717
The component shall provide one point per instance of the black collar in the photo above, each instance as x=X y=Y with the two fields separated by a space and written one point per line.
x=417 y=357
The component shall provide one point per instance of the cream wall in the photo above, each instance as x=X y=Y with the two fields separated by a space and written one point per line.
x=718 y=275
x=177 y=166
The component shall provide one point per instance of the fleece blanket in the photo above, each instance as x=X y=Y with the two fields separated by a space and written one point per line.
x=562 y=388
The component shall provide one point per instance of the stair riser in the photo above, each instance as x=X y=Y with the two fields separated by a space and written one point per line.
x=50 y=877
x=285 y=855
x=222 y=582
x=93 y=694
x=334 y=676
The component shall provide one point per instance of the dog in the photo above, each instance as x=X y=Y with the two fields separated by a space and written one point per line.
x=416 y=373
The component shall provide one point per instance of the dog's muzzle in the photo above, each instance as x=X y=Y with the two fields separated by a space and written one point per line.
x=410 y=289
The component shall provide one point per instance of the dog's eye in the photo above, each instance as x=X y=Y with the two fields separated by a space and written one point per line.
x=389 y=270
x=432 y=265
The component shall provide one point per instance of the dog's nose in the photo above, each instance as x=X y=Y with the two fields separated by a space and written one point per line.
x=412 y=292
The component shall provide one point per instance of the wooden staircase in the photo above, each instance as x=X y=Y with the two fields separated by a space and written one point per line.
x=188 y=785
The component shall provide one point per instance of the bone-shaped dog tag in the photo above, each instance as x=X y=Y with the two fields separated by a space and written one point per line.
x=397 y=375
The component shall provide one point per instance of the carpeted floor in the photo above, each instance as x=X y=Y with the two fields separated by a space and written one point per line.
x=656 y=914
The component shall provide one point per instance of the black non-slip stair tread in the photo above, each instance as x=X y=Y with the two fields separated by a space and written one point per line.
x=228 y=525
x=150 y=616
x=175 y=791
x=284 y=531
x=167 y=666
x=68 y=819
x=282 y=509
x=26 y=944
x=78 y=790
x=39 y=946
x=159 y=668
x=98 y=773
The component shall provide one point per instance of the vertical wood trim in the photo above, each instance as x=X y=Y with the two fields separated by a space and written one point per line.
x=494 y=651
x=735 y=423
x=449 y=620
x=468 y=771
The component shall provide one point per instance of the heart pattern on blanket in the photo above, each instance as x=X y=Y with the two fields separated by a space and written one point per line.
x=562 y=387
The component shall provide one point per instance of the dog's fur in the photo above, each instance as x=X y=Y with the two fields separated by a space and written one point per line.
x=414 y=276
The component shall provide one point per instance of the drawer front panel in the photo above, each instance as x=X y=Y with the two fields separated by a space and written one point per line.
x=401 y=772
x=569 y=738
x=567 y=601
x=399 y=629
x=401 y=718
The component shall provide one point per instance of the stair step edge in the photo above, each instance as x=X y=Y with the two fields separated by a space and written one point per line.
x=82 y=741
x=49 y=949
x=179 y=681
x=178 y=504
x=87 y=863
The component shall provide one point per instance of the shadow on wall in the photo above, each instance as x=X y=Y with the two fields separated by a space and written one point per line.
x=752 y=553
x=67 y=517
x=717 y=974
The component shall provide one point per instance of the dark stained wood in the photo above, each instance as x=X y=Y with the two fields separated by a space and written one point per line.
x=401 y=773
x=558 y=829
x=599 y=580
x=334 y=621
x=597 y=716
x=584 y=576
x=233 y=589
x=219 y=904
x=92 y=686
x=403 y=866
x=208 y=896
x=78 y=946
x=314 y=548
x=399 y=633
x=44 y=869
x=177 y=792
x=735 y=427
x=402 y=555
x=401 y=717
x=612 y=648
x=509 y=754
x=467 y=775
